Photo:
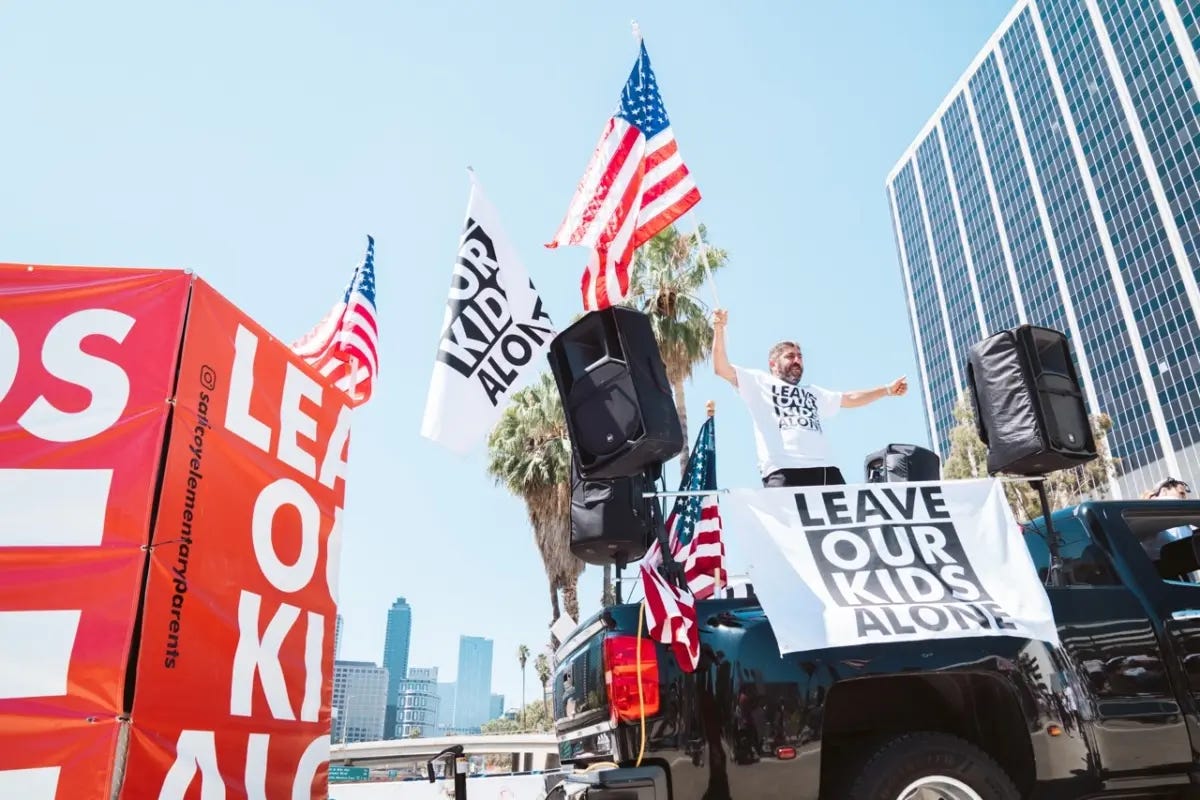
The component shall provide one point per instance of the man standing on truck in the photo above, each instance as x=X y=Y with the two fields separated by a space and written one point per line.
x=788 y=416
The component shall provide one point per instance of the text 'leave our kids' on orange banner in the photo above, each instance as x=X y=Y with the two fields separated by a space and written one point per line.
x=87 y=361
x=237 y=635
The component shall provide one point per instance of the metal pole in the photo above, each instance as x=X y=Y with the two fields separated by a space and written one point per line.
x=1056 y=578
x=460 y=778
x=705 y=492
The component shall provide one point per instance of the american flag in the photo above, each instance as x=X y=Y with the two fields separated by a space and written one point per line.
x=671 y=616
x=345 y=344
x=694 y=536
x=635 y=185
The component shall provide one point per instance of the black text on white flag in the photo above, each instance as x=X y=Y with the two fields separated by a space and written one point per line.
x=493 y=333
x=896 y=559
x=837 y=566
x=482 y=339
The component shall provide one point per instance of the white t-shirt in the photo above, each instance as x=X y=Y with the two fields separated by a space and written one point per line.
x=789 y=420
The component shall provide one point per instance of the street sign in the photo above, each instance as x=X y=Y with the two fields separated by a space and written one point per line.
x=340 y=772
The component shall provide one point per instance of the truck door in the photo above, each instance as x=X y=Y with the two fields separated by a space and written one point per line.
x=1106 y=628
x=1163 y=550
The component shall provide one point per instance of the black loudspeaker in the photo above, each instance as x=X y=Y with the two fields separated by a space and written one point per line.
x=903 y=462
x=611 y=522
x=620 y=414
x=1029 y=408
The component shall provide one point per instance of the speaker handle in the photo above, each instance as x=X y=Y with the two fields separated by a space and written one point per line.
x=599 y=362
x=980 y=428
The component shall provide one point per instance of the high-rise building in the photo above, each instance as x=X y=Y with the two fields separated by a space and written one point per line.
x=473 y=689
x=1055 y=185
x=359 y=693
x=445 y=716
x=395 y=657
x=418 y=707
x=337 y=638
x=496 y=710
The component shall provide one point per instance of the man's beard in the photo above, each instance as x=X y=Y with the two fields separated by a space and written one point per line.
x=792 y=375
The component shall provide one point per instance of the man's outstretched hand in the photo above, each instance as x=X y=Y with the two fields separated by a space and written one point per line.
x=898 y=387
x=720 y=318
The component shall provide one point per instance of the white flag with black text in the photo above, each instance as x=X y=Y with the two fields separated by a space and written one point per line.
x=847 y=565
x=494 y=335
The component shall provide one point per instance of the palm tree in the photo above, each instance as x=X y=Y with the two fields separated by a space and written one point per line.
x=529 y=453
x=542 y=668
x=668 y=272
x=522 y=657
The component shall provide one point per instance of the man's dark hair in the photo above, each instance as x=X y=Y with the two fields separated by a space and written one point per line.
x=778 y=348
x=1169 y=483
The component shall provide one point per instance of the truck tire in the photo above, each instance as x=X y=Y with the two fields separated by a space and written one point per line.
x=945 y=766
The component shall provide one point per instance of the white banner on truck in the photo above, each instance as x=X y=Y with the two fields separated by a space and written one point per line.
x=846 y=565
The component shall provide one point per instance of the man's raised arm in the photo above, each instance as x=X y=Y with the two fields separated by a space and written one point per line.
x=866 y=396
x=721 y=364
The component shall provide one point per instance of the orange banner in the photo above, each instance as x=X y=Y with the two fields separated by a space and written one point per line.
x=234 y=676
x=87 y=363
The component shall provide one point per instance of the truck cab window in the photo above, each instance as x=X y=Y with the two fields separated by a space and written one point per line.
x=1083 y=562
x=1169 y=540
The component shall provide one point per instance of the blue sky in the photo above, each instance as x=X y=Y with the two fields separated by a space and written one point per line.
x=258 y=144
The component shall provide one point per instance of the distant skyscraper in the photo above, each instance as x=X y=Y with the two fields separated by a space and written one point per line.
x=418 y=712
x=337 y=638
x=359 y=691
x=445 y=716
x=497 y=707
x=473 y=691
x=1055 y=185
x=395 y=657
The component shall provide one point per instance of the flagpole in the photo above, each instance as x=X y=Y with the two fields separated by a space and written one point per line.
x=637 y=35
x=711 y=408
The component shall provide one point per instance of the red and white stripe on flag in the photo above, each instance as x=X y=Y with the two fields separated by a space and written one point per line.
x=671 y=617
x=344 y=346
x=635 y=185
x=703 y=558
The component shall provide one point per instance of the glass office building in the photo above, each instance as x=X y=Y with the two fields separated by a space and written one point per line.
x=473 y=689
x=1055 y=186
x=395 y=658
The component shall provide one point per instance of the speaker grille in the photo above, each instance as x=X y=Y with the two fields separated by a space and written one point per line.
x=1066 y=422
x=605 y=406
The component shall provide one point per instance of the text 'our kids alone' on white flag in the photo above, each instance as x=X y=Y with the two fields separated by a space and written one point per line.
x=494 y=335
x=849 y=565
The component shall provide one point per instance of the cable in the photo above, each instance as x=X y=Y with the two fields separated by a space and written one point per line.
x=638 y=662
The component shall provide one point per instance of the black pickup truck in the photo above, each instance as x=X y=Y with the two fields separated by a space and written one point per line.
x=1113 y=712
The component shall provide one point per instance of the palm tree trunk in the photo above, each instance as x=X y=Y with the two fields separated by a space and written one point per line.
x=681 y=407
x=546 y=702
x=570 y=595
x=555 y=611
x=606 y=594
x=522 y=698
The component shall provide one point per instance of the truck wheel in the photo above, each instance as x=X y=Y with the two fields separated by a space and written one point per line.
x=931 y=766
